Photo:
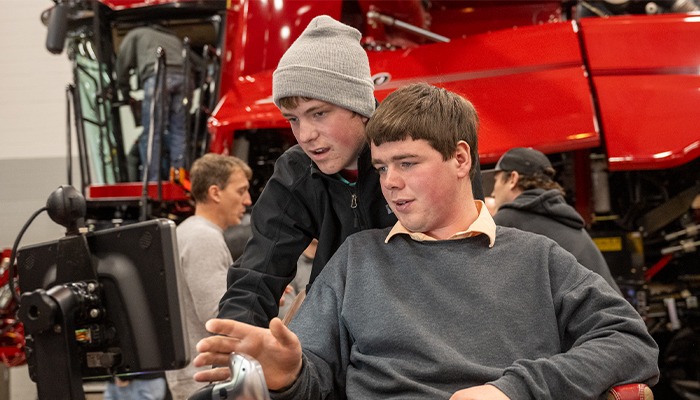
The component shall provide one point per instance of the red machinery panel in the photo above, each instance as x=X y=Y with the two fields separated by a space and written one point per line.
x=646 y=72
x=528 y=84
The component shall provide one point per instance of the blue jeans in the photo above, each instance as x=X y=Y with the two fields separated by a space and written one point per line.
x=174 y=139
x=136 y=389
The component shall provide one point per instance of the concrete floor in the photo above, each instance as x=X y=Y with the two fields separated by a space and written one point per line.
x=21 y=387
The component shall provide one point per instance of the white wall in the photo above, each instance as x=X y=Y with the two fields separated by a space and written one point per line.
x=33 y=83
x=32 y=118
x=32 y=134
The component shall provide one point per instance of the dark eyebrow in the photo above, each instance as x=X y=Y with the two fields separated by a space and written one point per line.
x=397 y=157
x=315 y=108
x=309 y=111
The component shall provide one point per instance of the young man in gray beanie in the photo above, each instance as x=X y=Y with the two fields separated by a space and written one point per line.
x=324 y=187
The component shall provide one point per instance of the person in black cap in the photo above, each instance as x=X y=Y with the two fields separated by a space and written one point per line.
x=528 y=198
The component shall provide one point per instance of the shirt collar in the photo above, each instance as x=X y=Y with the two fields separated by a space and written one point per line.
x=483 y=224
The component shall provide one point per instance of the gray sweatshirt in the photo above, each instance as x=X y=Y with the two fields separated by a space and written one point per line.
x=204 y=262
x=421 y=320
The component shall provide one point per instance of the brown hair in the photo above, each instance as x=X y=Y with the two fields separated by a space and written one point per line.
x=292 y=102
x=214 y=169
x=422 y=111
x=538 y=180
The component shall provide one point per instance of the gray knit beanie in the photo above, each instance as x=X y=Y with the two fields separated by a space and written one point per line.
x=326 y=63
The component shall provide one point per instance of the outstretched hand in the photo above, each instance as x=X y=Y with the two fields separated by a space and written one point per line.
x=277 y=349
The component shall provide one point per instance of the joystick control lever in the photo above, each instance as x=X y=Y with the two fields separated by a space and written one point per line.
x=247 y=382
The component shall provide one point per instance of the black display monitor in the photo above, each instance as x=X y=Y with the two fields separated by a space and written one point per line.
x=102 y=303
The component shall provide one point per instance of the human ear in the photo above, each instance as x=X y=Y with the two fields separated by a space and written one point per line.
x=462 y=156
x=513 y=179
x=214 y=193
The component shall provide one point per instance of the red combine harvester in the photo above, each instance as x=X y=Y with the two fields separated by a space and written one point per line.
x=610 y=90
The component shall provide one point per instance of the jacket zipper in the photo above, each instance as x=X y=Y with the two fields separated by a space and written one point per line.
x=353 y=206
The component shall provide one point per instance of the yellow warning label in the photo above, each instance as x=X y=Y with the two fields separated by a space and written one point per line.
x=608 y=243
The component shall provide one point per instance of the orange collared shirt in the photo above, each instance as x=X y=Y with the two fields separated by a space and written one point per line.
x=483 y=224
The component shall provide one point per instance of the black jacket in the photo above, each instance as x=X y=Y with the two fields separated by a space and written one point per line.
x=299 y=203
x=546 y=212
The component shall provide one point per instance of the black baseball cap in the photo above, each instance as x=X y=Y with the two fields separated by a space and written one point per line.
x=524 y=160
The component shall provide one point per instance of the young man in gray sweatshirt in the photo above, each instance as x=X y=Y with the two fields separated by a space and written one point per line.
x=444 y=304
